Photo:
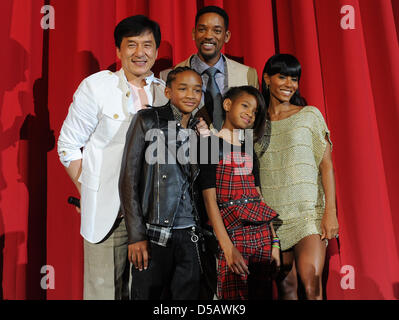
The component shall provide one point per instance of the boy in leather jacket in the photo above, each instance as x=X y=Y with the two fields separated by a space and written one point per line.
x=158 y=194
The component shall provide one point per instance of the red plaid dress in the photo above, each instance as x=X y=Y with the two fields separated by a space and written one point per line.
x=245 y=223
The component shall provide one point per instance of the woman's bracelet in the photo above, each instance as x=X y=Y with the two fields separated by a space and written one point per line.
x=275 y=246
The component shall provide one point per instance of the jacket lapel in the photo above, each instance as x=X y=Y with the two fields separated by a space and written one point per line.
x=122 y=85
x=185 y=63
x=235 y=77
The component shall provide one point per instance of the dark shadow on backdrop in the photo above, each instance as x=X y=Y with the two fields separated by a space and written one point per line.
x=37 y=139
x=36 y=130
x=235 y=58
x=12 y=75
x=395 y=9
x=90 y=63
x=111 y=67
x=165 y=52
x=275 y=27
x=395 y=287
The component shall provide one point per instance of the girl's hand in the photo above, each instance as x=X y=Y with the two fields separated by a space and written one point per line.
x=202 y=128
x=329 y=224
x=235 y=261
x=276 y=256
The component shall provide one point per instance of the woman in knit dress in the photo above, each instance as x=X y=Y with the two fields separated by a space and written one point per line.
x=297 y=178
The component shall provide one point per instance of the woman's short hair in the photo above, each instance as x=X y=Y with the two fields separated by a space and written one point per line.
x=285 y=64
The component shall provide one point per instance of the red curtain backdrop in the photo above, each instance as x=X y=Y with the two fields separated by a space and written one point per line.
x=351 y=75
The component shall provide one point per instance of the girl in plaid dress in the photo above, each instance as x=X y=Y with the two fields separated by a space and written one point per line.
x=237 y=213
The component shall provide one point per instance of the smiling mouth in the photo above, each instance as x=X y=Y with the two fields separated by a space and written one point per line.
x=140 y=63
x=248 y=121
x=189 y=103
x=286 y=92
x=208 y=45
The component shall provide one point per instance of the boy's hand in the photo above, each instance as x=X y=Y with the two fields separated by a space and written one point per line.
x=138 y=254
x=235 y=261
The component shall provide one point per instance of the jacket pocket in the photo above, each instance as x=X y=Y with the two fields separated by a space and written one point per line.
x=113 y=126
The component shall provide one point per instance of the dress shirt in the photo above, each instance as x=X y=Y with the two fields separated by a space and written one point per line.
x=221 y=77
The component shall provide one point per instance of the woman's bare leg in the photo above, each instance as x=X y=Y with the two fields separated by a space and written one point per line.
x=310 y=255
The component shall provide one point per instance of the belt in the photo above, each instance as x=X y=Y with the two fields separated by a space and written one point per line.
x=238 y=202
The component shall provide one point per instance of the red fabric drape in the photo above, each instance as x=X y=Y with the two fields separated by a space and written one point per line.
x=347 y=73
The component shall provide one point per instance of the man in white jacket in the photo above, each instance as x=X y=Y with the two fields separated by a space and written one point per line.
x=98 y=119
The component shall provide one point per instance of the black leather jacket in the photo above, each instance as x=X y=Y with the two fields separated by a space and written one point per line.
x=151 y=192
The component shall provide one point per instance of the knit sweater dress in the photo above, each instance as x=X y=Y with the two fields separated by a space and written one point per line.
x=290 y=176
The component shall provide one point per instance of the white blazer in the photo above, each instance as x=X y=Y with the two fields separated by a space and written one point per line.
x=98 y=120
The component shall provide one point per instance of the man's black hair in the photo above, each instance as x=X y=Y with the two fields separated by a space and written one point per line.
x=135 y=26
x=213 y=9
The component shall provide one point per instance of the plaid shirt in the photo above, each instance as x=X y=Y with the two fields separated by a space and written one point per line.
x=158 y=234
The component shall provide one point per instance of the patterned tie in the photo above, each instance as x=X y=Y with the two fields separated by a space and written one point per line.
x=213 y=90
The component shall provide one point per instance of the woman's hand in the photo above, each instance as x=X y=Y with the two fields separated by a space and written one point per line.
x=235 y=261
x=329 y=224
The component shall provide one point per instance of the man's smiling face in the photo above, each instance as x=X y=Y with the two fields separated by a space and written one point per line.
x=138 y=55
x=210 y=35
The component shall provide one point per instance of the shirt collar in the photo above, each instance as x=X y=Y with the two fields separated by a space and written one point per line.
x=201 y=66
x=178 y=115
x=148 y=80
